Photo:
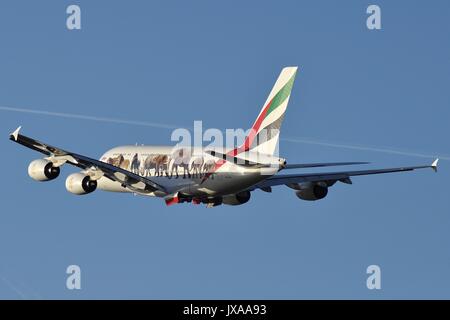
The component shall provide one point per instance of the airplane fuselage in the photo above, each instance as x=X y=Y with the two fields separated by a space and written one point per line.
x=202 y=174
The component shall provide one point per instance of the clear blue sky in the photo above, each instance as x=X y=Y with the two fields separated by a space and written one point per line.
x=173 y=62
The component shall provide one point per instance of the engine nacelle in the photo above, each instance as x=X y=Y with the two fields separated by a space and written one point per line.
x=78 y=183
x=43 y=170
x=237 y=199
x=313 y=192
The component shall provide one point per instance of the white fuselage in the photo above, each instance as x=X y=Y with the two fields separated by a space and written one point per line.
x=200 y=172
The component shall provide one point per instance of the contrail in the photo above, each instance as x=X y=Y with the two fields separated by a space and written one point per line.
x=172 y=126
x=13 y=287
x=362 y=148
x=91 y=118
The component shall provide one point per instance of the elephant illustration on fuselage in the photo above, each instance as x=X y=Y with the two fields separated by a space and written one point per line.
x=196 y=166
x=159 y=162
x=181 y=158
x=148 y=165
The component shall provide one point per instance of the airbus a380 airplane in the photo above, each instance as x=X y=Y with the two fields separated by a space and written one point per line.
x=211 y=176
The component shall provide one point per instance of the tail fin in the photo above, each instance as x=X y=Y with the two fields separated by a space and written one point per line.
x=264 y=135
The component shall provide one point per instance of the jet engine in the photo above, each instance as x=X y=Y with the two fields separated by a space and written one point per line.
x=313 y=192
x=78 y=183
x=43 y=170
x=236 y=199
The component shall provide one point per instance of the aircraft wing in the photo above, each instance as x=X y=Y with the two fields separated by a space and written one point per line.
x=325 y=164
x=128 y=179
x=343 y=176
